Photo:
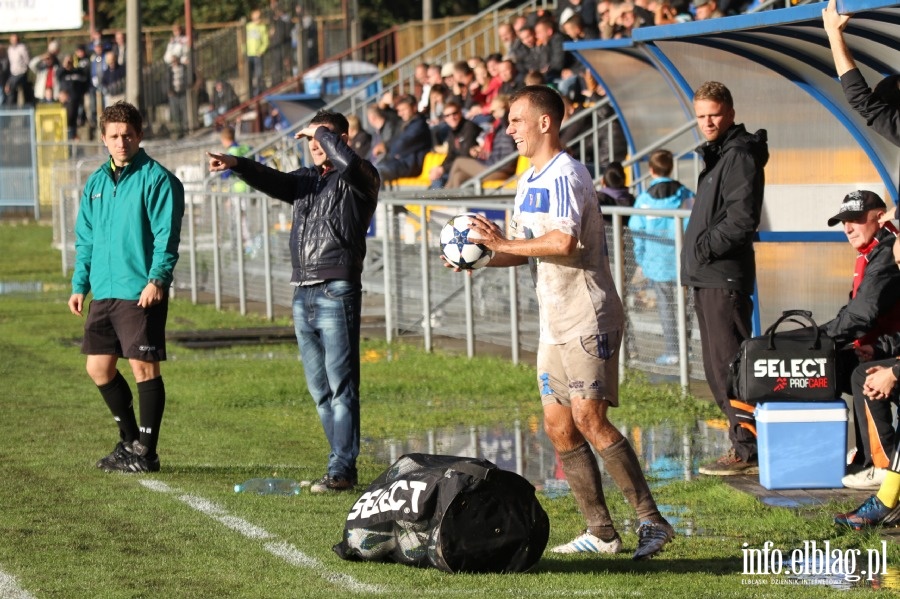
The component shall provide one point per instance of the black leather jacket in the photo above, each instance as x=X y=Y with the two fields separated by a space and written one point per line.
x=332 y=211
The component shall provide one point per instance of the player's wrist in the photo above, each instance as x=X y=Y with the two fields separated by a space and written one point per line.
x=157 y=283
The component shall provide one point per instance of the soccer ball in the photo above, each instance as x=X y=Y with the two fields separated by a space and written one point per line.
x=458 y=249
x=412 y=539
x=370 y=544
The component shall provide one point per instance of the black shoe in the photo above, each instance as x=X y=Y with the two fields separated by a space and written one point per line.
x=332 y=484
x=121 y=452
x=138 y=461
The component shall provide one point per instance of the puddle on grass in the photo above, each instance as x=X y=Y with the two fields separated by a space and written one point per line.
x=8 y=287
x=668 y=452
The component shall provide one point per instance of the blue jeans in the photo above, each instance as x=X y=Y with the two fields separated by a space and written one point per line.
x=326 y=321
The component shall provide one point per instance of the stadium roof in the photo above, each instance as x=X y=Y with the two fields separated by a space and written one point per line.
x=779 y=67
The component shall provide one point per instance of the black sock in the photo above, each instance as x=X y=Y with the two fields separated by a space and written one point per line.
x=117 y=395
x=152 y=396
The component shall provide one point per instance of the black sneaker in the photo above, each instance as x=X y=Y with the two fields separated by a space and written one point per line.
x=332 y=484
x=652 y=537
x=138 y=461
x=121 y=452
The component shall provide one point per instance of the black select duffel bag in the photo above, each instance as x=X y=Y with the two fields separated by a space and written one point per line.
x=797 y=365
x=453 y=513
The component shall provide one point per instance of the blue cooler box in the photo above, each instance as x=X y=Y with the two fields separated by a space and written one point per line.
x=802 y=445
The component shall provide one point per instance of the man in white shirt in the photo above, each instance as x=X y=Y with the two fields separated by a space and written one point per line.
x=558 y=230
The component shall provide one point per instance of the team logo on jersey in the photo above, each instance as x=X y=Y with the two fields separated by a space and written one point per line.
x=537 y=199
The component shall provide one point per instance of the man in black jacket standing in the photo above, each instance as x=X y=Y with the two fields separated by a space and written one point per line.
x=333 y=204
x=718 y=260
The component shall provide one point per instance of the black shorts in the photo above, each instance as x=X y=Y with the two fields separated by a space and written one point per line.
x=122 y=328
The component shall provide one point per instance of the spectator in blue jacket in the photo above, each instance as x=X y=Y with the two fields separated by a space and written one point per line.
x=654 y=247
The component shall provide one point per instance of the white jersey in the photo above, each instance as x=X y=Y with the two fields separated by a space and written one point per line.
x=576 y=293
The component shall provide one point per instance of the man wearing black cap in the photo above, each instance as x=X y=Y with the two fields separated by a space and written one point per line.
x=873 y=310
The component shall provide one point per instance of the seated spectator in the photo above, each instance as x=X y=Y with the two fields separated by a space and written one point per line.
x=668 y=14
x=585 y=10
x=507 y=37
x=872 y=311
x=612 y=145
x=384 y=125
x=466 y=89
x=524 y=54
x=706 y=9
x=613 y=191
x=462 y=137
x=575 y=135
x=360 y=139
x=654 y=244
x=549 y=50
x=574 y=29
x=534 y=78
x=495 y=146
x=509 y=78
x=421 y=84
x=275 y=121
x=407 y=149
x=223 y=97
x=873 y=384
x=438 y=95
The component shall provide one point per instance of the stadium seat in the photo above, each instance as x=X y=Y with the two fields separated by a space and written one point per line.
x=522 y=165
x=432 y=159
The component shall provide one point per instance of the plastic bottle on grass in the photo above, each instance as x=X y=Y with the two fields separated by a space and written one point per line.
x=269 y=486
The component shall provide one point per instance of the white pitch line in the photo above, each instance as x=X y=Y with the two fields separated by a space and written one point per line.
x=10 y=589
x=280 y=549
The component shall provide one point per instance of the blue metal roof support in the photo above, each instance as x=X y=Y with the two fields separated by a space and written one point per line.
x=790 y=43
x=840 y=111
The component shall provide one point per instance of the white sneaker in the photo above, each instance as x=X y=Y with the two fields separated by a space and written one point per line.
x=867 y=479
x=588 y=543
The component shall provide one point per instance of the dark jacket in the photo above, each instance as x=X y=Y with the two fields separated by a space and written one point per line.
x=460 y=141
x=718 y=243
x=410 y=145
x=875 y=310
x=882 y=116
x=331 y=212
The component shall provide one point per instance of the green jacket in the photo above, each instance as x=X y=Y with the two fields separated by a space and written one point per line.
x=127 y=232
x=257 y=38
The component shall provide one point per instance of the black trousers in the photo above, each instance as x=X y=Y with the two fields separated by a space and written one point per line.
x=724 y=317
x=875 y=421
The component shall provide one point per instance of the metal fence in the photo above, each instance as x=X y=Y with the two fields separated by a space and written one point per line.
x=236 y=246
x=18 y=160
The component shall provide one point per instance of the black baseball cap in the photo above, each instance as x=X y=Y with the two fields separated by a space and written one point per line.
x=856 y=204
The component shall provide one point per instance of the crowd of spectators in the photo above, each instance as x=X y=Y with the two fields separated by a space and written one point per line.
x=461 y=101
x=92 y=76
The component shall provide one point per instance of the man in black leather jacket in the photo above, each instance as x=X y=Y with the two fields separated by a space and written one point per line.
x=333 y=203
